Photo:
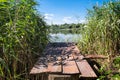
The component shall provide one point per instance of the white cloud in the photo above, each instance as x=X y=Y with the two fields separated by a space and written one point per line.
x=67 y=19
x=73 y=20
x=48 y=16
x=83 y=21
x=52 y=19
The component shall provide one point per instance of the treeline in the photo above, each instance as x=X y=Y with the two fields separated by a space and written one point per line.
x=66 y=28
x=23 y=35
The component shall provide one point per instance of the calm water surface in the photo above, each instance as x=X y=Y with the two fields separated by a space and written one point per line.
x=61 y=37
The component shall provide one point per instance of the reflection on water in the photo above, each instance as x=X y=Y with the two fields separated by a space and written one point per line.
x=65 y=31
x=61 y=37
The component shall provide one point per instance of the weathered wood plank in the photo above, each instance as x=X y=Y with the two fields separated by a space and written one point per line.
x=38 y=69
x=54 y=68
x=70 y=66
x=63 y=53
x=40 y=66
x=85 y=69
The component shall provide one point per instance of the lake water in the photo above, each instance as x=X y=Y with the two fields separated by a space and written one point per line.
x=61 y=37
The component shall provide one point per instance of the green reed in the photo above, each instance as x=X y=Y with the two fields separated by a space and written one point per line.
x=23 y=35
x=102 y=32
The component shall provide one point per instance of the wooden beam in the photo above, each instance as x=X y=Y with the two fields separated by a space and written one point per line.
x=95 y=56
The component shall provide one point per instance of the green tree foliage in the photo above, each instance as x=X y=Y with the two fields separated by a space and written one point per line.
x=66 y=28
x=102 y=33
x=23 y=35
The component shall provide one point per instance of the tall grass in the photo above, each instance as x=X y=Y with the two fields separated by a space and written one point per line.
x=23 y=35
x=102 y=32
x=101 y=35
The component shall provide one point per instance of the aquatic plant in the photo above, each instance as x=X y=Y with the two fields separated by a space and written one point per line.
x=102 y=32
x=23 y=35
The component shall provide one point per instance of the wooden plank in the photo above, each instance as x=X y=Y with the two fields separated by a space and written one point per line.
x=70 y=67
x=46 y=64
x=38 y=69
x=51 y=67
x=40 y=66
x=54 y=68
x=85 y=69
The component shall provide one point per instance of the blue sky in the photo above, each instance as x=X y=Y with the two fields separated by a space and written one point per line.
x=66 y=11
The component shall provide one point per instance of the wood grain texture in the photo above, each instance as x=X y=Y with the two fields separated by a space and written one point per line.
x=85 y=69
x=38 y=69
x=70 y=66
x=63 y=58
x=54 y=68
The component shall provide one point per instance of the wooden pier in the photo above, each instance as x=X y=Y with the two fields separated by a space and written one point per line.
x=62 y=59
